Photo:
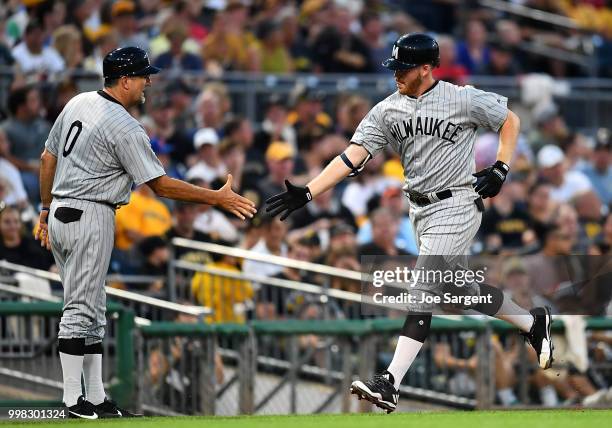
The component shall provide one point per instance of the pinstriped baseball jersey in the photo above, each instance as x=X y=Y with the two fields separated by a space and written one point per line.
x=434 y=133
x=101 y=151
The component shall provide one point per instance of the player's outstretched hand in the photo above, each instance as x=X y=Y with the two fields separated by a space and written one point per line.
x=230 y=201
x=489 y=180
x=42 y=232
x=294 y=198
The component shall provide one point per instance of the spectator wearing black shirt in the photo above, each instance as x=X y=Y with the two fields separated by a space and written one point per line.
x=16 y=246
x=155 y=254
x=504 y=224
x=337 y=50
x=185 y=214
x=323 y=207
x=280 y=297
x=502 y=61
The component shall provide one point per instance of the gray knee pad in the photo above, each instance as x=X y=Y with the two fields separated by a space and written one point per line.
x=417 y=326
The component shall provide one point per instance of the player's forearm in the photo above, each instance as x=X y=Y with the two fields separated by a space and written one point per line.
x=508 y=136
x=336 y=170
x=171 y=188
x=48 y=162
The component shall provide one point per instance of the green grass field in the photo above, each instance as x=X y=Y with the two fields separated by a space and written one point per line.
x=497 y=419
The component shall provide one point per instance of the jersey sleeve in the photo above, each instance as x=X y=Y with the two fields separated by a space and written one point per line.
x=370 y=132
x=487 y=109
x=137 y=158
x=52 y=145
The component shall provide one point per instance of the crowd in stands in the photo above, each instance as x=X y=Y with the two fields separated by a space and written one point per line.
x=556 y=200
x=54 y=38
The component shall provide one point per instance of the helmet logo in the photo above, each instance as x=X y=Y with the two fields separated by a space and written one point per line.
x=395 y=52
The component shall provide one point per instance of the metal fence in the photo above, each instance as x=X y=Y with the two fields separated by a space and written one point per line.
x=30 y=360
x=262 y=367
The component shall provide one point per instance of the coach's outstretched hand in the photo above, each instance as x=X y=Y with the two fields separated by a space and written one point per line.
x=489 y=180
x=233 y=202
x=294 y=198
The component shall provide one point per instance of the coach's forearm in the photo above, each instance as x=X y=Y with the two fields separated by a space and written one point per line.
x=508 y=136
x=171 y=188
x=48 y=162
x=336 y=170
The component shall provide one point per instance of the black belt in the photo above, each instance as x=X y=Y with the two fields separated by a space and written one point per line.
x=423 y=200
x=108 y=204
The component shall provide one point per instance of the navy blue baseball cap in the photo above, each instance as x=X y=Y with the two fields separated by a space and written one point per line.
x=128 y=61
x=412 y=50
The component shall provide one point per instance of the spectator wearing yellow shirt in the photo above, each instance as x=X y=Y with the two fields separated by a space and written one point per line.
x=224 y=295
x=143 y=216
x=275 y=58
x=229 y=46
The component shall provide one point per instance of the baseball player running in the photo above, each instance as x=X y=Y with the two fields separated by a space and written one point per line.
x=95 y=152
x=432 y=125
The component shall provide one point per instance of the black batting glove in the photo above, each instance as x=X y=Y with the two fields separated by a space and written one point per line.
x=489 y=180
x=294 y=198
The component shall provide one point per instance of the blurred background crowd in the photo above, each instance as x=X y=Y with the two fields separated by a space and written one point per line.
x=556 y=200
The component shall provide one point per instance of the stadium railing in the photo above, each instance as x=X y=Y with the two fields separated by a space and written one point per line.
x=145 y=307
x=272 y=297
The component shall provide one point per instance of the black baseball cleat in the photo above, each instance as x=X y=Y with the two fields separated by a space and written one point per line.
x=109 y=409
x=82 y=409
x=379 y=391
x=539 y=336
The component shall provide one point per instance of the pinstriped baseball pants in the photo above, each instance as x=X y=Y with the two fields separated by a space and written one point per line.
x=82 y=251
x=444 y=232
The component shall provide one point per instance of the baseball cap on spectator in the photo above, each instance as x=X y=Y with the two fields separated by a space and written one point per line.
x=603 y=139
x=279 y=150
x=179 y=85
x=549 y=156
x=544 y=112
x=205 y=136
x=514 y=265
x=310 y=239
x=341 y=229
x=123 y=7
x=267 y=27
x=148 y=245
x=275 y=100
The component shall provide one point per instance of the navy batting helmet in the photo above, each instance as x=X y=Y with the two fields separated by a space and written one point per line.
x=412 y=50
x=128 y=61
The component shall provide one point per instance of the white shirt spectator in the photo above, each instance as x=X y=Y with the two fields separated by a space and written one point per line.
x=262 y=268
x=574 y=183
x=206 y=172
x=357 y=194
x=15 y=192
x=47 y=61
x=213 y=222
x=205 y=142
